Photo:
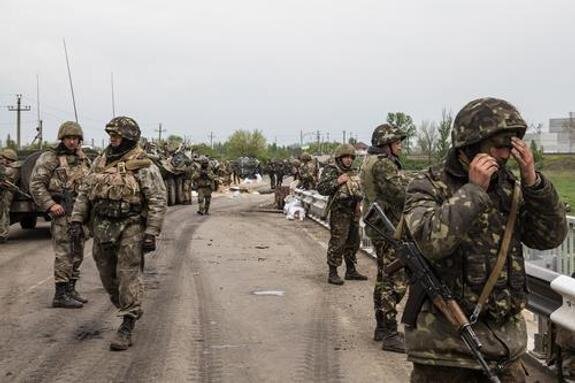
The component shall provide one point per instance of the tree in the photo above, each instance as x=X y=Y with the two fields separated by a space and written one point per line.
x=427 y=139
x=537 y=153
x=405 y=123
x=246 y=143
x=444 y=133
x=10 y=143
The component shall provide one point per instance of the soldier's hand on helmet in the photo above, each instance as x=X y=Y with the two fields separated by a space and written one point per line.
x=149 y=243
x=75 y=230
x=524 y=157
x=57 y=210
x=342 y=178
x=481 y=168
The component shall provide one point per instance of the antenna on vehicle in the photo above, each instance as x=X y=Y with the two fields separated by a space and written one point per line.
x=70 y=80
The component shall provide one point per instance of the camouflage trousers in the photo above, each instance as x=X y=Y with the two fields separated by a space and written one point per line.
x=66 y=265
x=204 y=199
x=187 y=190
x=389 y=289
x=344 y=239
x=566 y=340
x=279 y=179
x=423 y=373
x=118 y=255
x=6 y=198
x=272 y=180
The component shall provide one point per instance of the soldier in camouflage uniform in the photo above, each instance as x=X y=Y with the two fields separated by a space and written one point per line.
x=54 y=184
x=341 y=183
x=457 y=215
x=123 y=202
x=384 y=182
x=307 y=172
x=205 y=181
x=566 y=340
x=10 y=171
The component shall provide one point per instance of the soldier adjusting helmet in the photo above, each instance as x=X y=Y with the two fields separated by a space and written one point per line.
x=344 y=150
x=386 y=134
x=9 y=154
x=483 y=118
x=70 y=129
x=125 y=127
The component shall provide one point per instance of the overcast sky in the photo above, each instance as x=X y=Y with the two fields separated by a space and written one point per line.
x=281 y=66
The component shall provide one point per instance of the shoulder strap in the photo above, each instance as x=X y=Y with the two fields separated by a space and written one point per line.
x=501 y=256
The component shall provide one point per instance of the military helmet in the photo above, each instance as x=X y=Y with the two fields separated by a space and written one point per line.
x=124 y=126
x=70 y=129
x=204 y=160
x=344 y=150
x=386 y=134
x=305 y=157
x=483 y=118
x=9 y=154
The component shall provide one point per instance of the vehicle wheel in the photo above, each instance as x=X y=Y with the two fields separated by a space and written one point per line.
x=171 y=189
x=29 y=222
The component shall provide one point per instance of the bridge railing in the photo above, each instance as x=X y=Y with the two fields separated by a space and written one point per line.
x=551 y=295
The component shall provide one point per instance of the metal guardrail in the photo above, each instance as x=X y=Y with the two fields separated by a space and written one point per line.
x=551 y=294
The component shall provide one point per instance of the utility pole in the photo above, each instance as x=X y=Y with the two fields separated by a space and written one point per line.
x=318 y=138
x=301 y=138
x=211 y=135
x=18 y=108
x=343 y=137
x=160 y=130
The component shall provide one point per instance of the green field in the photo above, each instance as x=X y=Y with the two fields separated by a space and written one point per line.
x=564 y=181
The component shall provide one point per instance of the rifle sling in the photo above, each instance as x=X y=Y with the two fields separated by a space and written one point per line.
x=502 y=255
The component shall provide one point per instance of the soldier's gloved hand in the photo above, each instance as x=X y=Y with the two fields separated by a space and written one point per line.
x=149 y=243
x=75 y=230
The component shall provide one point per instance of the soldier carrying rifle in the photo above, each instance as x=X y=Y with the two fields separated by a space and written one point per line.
x=55 y=182
x=470 y=218
x=9 y=173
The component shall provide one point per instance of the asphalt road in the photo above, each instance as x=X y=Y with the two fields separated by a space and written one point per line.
x=237 y=296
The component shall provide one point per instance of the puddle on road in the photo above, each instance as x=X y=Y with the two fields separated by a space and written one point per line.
x=275 y=293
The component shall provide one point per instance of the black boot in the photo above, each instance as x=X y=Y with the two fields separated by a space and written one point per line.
x=351 y=274
x=73 y=293
x=333 y=278
x=392 y=339
x=379 y=332
x=123 y=338
x=62 y=299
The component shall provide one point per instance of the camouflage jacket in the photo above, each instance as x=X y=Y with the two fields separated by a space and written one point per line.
x=11 y=172
x=150 y=186
x=205 y=179
x=56 y=172
x=307 y=174
x=341 y=197
x=458 y=227
x=384 y=182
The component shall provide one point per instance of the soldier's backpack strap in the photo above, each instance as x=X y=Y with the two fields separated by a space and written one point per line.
x=501 y=256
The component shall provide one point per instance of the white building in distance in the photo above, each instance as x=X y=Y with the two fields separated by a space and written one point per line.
x=559 y=139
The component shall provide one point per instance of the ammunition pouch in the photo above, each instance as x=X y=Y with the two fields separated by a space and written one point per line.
x=116 y=209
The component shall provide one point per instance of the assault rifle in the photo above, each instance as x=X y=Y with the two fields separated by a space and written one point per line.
x=425 y=285
x=65 y=199
x=5 y=184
